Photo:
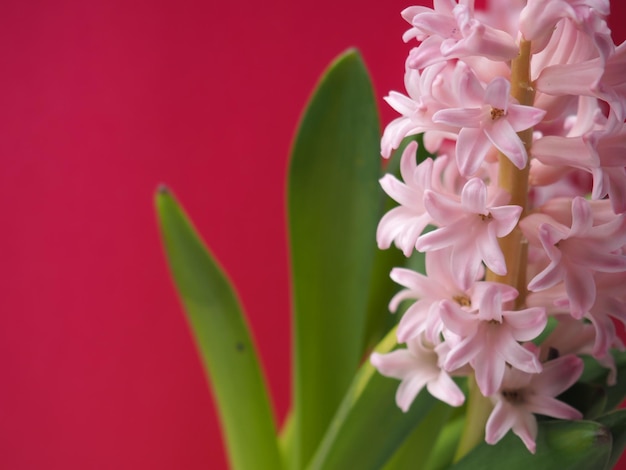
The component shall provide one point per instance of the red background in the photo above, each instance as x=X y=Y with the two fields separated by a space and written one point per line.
x=100 y=101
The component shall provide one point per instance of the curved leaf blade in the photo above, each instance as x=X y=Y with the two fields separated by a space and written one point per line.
x=333 y=199
x=223 y=340
x=369 y=427
x=574 y=445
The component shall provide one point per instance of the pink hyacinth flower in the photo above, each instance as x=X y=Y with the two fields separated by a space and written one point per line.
x=495 y=120
x=471 y=227
x=490 y=338
x=439 y=283
x=417 y=367
x=577 y=252
x=404 y=224
x=451 y=31
x=524 y=394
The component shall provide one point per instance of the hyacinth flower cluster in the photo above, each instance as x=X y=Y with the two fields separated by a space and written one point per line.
x=523 y=107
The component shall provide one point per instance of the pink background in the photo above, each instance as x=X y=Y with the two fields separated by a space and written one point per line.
x=100 y=101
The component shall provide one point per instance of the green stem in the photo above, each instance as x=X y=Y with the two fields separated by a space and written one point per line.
x=478 y=410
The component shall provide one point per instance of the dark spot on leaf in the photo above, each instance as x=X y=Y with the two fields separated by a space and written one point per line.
x=240 y=346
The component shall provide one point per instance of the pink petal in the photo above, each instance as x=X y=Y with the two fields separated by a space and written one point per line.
x=446 y=390
x=558 y=375
x=465 y=259
x=581 y=290
x=401 y=103
x=500 y=421
x=497 y=93
x=459 y=117
x=489 y=368
x=399 y=191
x=582 y=219
x=442 y=209
x=396 y=364
x=413 y=322
x=471 y=148
x=462 y=353
x=547 y=278
x=437 y=239
x=489 y=250
x=408 y=164
x=408 y=390
x=474 y=196
x=518 y=356
x=457 y=320
x=527 y=324
x=552 y=407
x=504 y=138
x=506 y=218
x=526 y=428
x=524 y=117
x=401 y=225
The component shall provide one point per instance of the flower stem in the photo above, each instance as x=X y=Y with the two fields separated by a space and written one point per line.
x=514 y=247
x=478 y=409
x=515 y=181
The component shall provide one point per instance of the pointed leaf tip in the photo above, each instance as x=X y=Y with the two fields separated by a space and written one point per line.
x=223 y=341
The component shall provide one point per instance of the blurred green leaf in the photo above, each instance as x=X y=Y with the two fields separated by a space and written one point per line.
x=447 y=442
x=596 y=374
x=588 y=398
x=419 y=445
x=223 y=340
x=333 y=202
x=369 y=427
x=571 y=445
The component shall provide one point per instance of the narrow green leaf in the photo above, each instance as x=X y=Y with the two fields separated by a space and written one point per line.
x=285 y=442
x=616 y=422
x=419 y=445
x=369 y=427
x=223 y=340
x=333 y=199
x=571 y=445
x=448 y=440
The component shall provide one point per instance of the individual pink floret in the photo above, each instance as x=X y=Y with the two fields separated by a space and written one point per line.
x=418 y=367
x=577 y=252
x=494 y=120
x=522 y=395
x=471 y=228
x=451 y=31
x=404 y=224
x=490 y=337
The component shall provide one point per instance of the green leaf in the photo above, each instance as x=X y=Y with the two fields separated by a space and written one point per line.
x=595 y=374
x=333 y=199
x=616 y=422
x=369 y=427
x=419 y=445
x=448 y=440
x=571 y=445
x=588 y=398
x=223 y=340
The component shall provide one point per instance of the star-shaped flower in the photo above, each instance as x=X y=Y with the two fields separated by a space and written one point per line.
x=495 y=119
